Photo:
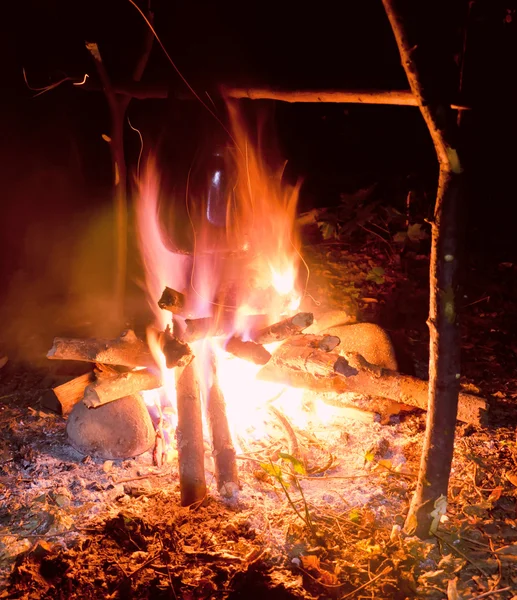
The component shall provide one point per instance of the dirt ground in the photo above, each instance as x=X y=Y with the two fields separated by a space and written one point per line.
x=74 y=527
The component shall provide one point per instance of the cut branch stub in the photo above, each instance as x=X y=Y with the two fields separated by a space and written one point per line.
x=203 y=327
x=172 y=301
x=177 y=353
x=63 y=398
x=283 y=329
x=249 y=351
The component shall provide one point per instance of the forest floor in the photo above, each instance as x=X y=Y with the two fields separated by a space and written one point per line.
x=74 y=527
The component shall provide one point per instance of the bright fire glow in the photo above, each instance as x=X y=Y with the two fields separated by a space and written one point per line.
x=259 y=231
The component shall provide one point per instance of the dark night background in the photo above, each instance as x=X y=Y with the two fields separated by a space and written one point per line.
x=56 y=222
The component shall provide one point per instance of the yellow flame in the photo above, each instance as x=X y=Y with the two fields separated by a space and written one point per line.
x=258 y=262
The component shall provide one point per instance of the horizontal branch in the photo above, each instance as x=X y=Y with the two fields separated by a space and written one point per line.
x=387 y=97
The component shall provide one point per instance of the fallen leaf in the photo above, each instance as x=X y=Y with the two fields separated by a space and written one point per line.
x=495 y=495
x=452 y=590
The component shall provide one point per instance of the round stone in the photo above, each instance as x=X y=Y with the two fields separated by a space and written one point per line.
x=119 y=429
x=369 y=340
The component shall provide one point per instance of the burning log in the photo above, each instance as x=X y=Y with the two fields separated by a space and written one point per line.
x=63 y=398
x=226 y=473
x=177 y=353
x=189 y=436
x=283 y=329
x=198 y=329
x=297 y=365
x=126 y=350
x=203 y=327
x=250 y=351
x=111 y=385
x=172 y=301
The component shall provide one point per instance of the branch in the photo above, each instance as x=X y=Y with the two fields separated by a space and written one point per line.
x=387 y=97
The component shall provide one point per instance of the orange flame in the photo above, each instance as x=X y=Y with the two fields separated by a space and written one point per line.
x=258 y=263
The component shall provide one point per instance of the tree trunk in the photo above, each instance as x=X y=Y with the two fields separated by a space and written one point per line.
x=429 y=501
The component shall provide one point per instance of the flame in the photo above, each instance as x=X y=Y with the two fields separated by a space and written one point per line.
x=255 y=254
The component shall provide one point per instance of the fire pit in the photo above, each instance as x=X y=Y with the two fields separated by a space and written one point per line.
x=230 y=351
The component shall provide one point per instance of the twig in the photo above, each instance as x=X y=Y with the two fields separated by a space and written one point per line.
x=294 y=449
x=490 y=592
x=361 y=587
x=148 y=476
x=462 y=554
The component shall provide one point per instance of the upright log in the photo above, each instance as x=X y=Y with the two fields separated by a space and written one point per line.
x=189 y=436
x=226 y=473
x=429 y=501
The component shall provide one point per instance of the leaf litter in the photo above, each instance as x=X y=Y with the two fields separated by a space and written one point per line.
x=330 y=527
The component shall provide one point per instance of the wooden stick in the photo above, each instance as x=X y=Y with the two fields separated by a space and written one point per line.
x=219 y=326
x=283 y=329
x=126 y=350
x=249 y=351
x=111 y=385
x=189 y=436
x=203 y=327
x=387 y=97
x=393 y=97
x=299 y=366
x=63 y=398
x=226 y=473
x=172 y=301
x=177 y=353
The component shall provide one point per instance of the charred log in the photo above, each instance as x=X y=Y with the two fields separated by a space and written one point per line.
x=172 y=301
x=176 y=352
x=249 y=351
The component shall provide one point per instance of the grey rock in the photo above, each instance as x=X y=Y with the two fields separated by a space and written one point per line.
x=120 y=429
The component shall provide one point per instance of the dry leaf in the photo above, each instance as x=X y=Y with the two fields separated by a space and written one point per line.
x=495 y=495
x=311 y=562
x=452 y=591
x=512 y=478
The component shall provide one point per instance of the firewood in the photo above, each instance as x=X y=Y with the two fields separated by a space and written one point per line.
x=172 y=301
x=63 y=398
x=225 y=324
x=189 y=436
x=250 y=351
x=177 y=353
x=111 y=385
x=295 y=364
x=126 y=350
x=203 y=327
x=226 y=473
x=283 y=329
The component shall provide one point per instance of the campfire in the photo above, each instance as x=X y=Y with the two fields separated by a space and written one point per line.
x=230 y=349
